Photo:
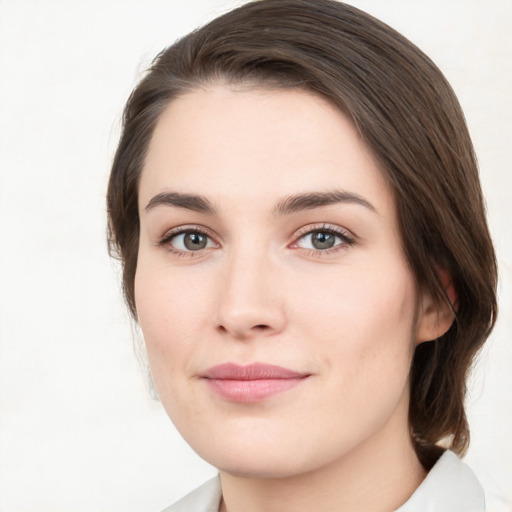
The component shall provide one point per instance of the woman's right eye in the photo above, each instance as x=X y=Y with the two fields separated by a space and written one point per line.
x=188 y=241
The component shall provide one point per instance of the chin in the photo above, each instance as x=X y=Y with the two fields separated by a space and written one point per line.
x=261 y=455
x=275 y=466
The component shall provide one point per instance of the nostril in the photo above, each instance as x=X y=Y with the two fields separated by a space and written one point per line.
x=243 y=332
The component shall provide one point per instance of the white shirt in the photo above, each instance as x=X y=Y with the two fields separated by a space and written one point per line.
x=450 y=486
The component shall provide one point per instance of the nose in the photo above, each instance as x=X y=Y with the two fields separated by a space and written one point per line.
x=250 y=298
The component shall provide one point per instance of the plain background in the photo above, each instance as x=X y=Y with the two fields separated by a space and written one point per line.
x=79 y=430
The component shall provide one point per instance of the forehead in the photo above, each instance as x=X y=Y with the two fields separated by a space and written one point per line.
x=225 y=142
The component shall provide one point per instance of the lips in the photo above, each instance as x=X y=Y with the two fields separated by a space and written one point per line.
x=252 y=383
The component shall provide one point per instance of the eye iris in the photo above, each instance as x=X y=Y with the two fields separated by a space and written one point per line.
x=195 y=241
x=322 y=240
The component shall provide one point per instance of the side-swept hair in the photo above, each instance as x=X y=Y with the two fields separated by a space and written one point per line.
x=408 y=116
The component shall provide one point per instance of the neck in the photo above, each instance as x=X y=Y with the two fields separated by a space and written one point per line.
x=378 y=476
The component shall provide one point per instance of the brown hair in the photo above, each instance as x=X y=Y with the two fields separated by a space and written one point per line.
x=409 y=117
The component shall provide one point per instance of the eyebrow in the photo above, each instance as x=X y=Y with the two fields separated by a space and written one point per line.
x=311 y=200
x=189 y=201
x=291 y=204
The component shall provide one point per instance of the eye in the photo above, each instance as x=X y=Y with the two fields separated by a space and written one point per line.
x=187 y=240
x=323 y=239
x=190 y=241
x=318 y=240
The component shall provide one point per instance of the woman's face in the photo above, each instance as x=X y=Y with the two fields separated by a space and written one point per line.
x=278 y=310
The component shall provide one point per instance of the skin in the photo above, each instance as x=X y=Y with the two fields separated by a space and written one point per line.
x=260 y=291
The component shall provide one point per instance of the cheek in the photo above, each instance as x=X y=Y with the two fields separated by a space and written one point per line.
x=360 y=299
x=364 y=335
x=169 y=301
x=171 y=310
x=364 y=320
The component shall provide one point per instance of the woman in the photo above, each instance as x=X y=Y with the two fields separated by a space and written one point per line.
x=296 y=204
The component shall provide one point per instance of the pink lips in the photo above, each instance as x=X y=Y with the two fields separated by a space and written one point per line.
x=251 y=383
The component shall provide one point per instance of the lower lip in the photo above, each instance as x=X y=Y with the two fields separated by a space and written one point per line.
x=251 y=390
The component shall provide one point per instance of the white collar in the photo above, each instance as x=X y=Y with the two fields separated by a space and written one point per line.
x=450 y=485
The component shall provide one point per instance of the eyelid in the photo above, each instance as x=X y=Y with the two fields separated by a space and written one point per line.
x=166 y=238
x=346 y=236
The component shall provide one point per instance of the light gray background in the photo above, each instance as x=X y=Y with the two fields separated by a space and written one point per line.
x=78 y=429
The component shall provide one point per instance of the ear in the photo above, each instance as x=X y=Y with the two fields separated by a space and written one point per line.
x=436 y=318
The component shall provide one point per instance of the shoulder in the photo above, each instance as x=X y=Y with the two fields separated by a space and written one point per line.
x=203 y=499
x=450 y=485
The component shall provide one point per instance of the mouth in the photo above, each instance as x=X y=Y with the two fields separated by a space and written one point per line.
x=252 y=383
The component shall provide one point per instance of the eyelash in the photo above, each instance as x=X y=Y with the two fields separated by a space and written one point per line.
x=347 y=239
x=165 y=241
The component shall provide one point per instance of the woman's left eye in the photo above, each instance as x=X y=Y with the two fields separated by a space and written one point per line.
x=321 y=240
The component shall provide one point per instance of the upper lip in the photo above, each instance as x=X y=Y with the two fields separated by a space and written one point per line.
x=255 y=371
